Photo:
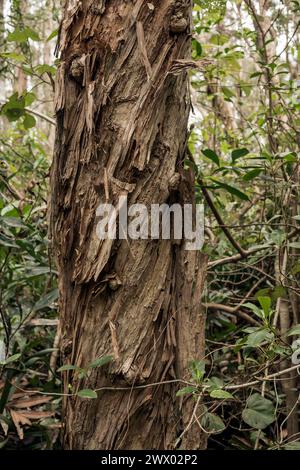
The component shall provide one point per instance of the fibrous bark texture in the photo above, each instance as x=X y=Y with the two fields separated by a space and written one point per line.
x=122 y=118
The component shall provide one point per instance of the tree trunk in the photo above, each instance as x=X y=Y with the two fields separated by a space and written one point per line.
x=121 y=129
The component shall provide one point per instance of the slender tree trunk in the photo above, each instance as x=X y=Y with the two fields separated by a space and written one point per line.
x=121 y=129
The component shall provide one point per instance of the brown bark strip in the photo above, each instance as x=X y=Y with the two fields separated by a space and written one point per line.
x=117 y=129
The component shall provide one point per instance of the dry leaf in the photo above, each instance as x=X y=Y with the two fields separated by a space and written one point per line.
x=37 y=414
x=19 y=420
x=29 y=402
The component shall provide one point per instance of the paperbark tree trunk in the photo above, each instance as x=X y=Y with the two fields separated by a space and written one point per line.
x=122 y=118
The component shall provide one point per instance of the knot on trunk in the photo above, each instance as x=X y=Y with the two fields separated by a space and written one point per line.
x=178 y=23
x=114 y=282
x=77 y=69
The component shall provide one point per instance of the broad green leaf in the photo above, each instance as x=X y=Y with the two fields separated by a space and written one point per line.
x=234 y=191
x=17 y=35
x=296 y=268
x=294 y=245
x=214 y=382
x=212 y=156
x=29 y=98
x=274 y=293
x=197 y=369
x=259 y=337
x=46 y=301
x=52 y=35
x=252 y=174
x=197 y=48
x=212 y=423
x=87 y=393
x=13 y=222
x=294 y=331
x=292 y=446
x=265 y=303
x=222 y=394
x=186 y=391
x=29 y=121
x=100 y=362
x=254 y=309
x=11 y=359
x=14 y=107
x=45 y=68
x=219 y=39
x=238 y=153
x=37 y=271
x=31 y=34
x=22 y=35
x=228 y=93
x=259 y=412
x=13 y=56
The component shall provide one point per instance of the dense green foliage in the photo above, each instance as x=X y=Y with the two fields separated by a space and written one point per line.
x=244 y=146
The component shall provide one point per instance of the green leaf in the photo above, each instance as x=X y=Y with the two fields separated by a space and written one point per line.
x=252 y=174
x=219 y=39
x=212 y=156
x=259 y=412
x=13 y=56
x=294 y=331
x=31 y=34
x=29 y=98
x=14 y=107
x=265 y=303
x=186 y=391
x=254 y=309
x=67 y=367
x=294 y=245
x=37 y=271
x=214 y=382
x=292 y=446
x=46 y=301
x=11 y=359
x=238 y=153
x=29 y=121
x=45 y=68
x=87 y=393
x=234 y=191
x=275 y=293
x=228 y=93
x=222 y=394
x=13 y=222
x=17 y=35
x=100 y=362
x=197 y=369
x=52 y=35
x=22 y=35
x=296 y=268
x=259 y=337
x=197 y=48
x=212 y=423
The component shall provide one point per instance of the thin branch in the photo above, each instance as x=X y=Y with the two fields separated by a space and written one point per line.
x=222 y=225
x=40 y=115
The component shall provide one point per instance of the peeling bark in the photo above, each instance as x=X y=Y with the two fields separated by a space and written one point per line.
x=121 y=129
